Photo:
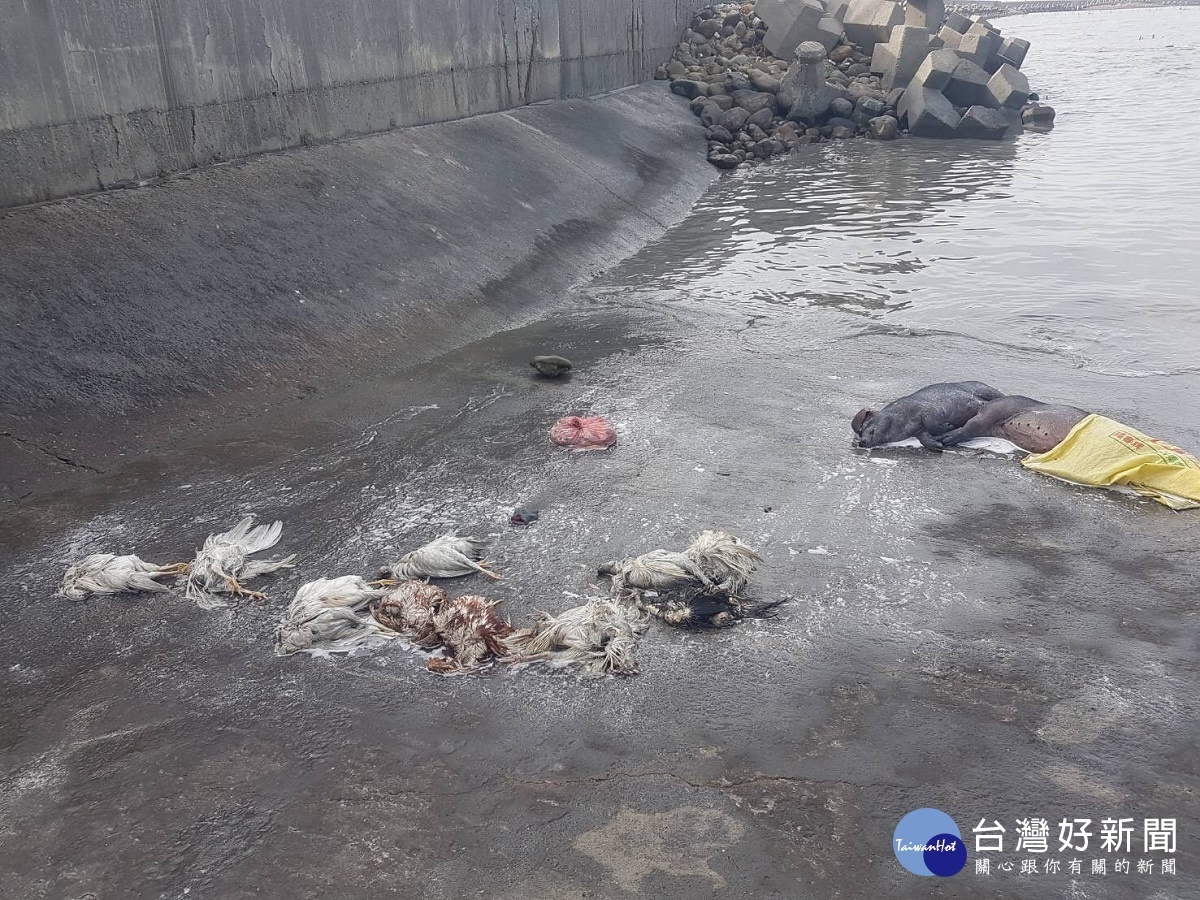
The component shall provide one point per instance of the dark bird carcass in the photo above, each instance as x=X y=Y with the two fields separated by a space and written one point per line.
x=700 y=587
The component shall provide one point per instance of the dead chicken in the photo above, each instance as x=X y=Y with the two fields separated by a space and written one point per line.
x=104 y=573
x=598 y=636
x=222 y=564
x=409 y=609
x=323 y=618
x=724 y=559
x=472 y=631
x=698 y=588
x=449 y=556
x=656 y=570
x=712 y=607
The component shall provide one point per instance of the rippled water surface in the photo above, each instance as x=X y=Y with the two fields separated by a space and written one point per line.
x=1082 y=242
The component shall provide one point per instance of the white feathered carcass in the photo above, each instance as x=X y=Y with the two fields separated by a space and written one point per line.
x=222 y=564
x=700 y=587
x=654 y=571
x=323 y=618
x=724 y=559
x=449 y=556
x=105 y=573
x=598 y=636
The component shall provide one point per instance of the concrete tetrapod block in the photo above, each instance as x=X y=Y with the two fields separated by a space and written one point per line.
x=1008 y=88
x=968 y=85
x=897 y=61
x=1013 y=50
x=980 y=44
x=927 y=112
x=836 y=9
x=829 y=32
x=925 y=13
x=784 y=37
x=956 y=21
x=1015 y=125
x=982 y=123
x=870 y=22
x=935 y=70
x=949 y=37
x=772 y=12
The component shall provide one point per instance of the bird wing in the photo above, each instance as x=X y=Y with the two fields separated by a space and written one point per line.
x=234 y=535
x=256 y=567
x=470 y=547
x=263 y=537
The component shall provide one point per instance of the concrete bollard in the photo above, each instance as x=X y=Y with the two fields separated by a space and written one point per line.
x=805 y=83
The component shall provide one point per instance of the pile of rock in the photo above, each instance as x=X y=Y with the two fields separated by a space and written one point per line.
x=967 y=81
x=856 y=67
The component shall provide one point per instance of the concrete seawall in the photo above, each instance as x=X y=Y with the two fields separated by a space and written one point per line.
x=100 y=93
x=146 y=316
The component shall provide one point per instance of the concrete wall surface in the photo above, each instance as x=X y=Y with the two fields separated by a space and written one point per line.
x=102 y=93
x=136 y=317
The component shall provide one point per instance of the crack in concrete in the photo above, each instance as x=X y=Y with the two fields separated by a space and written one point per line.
x=46 y=450
x=721 y=784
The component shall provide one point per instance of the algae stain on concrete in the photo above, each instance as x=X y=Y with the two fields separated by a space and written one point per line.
x=680 y=843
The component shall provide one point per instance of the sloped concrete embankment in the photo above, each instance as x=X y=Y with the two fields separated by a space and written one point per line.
x=95 y=94
x=134 y=318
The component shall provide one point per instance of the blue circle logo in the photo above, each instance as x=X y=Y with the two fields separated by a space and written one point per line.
x=927 y=842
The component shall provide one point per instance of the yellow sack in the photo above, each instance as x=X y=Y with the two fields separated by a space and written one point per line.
x=1102 y=453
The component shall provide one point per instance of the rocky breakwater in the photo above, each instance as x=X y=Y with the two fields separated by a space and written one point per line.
x=872 y=68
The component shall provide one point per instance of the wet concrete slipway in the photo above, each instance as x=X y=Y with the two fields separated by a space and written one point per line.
x=964 y=634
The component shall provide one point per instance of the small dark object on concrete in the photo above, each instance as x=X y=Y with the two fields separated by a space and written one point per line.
x=551 y=366
x=524 y=516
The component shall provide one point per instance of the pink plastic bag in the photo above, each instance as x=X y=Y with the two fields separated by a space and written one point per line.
x=577 y=433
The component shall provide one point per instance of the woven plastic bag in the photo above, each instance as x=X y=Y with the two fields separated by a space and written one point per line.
x=1099 y=452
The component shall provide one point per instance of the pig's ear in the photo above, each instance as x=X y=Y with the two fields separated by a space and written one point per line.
x=860 y=419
